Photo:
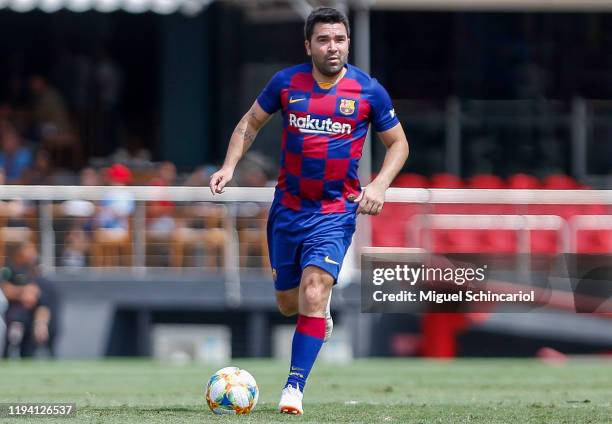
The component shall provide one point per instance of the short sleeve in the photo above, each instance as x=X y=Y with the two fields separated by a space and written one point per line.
x=269 y=99
x=383 y=115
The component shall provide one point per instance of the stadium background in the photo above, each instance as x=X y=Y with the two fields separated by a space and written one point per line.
x=505 y=96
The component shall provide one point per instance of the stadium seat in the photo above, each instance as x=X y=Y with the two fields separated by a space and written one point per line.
x=443 y=240
x=112 y=247
x=252 y=237
x=410 y=180
x=501 y=241
x=13 y=236
x=446 y=180
x=69 y=218
x=564 y=211
x=457 y=240
x=544 y=241
x=523 y=182
x=488 y=181
x=594 y=241
x=143 y=176
x=560 y=182
x=592 y=234
x=386 y=235
x=390 y=227
x=200 y=225
x=460 y=241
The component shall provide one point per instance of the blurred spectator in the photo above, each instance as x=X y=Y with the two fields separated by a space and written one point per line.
x=77 y=245
x=109 y=81
x=5 y=111
x=71 y=74
x=251 y=216
x=52 y=124
x=31 y=315
x=201 y=176
x=199 y=227
x=49 y=110
x=14 y=158
x=136 y=158
x=41 y=171
x=89 y=177
x=77 y=241
x=117 y=205
x=166 y=174
x=18 y=214
x=162 y=217
x=254 y=170
x=160 y=213
x=112 y=243
x=17 y=222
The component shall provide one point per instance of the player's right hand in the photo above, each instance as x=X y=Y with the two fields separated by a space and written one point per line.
x=219 y=179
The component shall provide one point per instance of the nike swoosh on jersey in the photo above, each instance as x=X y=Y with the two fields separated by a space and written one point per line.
x=329 y=261
x=292 y=100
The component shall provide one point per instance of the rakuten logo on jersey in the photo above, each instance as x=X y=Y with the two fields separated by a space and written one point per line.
x=309 y=125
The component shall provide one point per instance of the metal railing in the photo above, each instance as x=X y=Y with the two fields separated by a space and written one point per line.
x=46 y=198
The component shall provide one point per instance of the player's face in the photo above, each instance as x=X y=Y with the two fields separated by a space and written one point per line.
x=29 y=254
x=328 y=47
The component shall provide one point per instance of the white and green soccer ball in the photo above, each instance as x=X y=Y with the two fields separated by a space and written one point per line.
x=232 y=391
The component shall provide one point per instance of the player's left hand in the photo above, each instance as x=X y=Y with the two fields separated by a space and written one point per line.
x=371 y=199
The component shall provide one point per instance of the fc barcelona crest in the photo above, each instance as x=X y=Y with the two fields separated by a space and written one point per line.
x=347 y=106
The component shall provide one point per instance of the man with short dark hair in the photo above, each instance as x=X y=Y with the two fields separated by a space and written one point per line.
x=32 y=304
x=327 y=107
x=15 y=158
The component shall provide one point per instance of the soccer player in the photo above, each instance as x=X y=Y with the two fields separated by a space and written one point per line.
x=327 y=106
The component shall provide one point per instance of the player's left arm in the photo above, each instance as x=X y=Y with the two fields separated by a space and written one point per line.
x=372 y=197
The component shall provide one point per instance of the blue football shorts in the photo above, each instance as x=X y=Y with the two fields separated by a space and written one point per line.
x=297 y=239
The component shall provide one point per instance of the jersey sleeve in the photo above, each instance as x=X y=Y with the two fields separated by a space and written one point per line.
x=270 y=97
x=383 y=115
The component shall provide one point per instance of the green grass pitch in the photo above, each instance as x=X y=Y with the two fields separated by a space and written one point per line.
x=370 y=391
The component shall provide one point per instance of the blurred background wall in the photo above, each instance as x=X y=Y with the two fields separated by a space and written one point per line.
x=175 y=85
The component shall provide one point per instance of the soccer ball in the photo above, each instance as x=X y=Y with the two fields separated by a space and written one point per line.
x=232 y=391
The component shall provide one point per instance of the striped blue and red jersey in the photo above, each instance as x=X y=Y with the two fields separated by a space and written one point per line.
x=323 y=135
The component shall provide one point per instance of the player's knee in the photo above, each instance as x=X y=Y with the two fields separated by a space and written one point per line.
x=314 y=290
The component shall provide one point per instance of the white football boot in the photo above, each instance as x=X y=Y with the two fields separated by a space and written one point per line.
x=329 y=322
x=291 y=401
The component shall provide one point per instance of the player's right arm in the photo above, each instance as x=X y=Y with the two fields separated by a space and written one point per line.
x=28 y=294
x=241 y=140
